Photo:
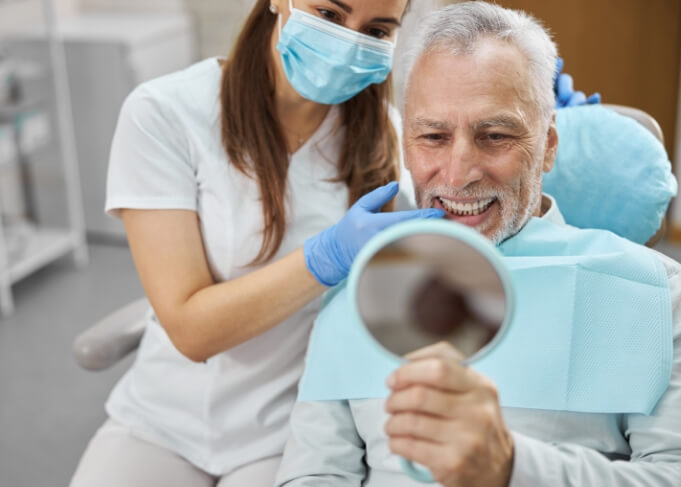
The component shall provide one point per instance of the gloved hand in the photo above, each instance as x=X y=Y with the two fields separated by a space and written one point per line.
x=566 y=96
x=329 y=254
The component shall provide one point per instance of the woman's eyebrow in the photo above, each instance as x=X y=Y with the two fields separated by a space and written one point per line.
x=386 y=20
x=342 y=5
x=383 y=20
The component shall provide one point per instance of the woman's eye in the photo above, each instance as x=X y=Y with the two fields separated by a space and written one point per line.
x=377 y=33
x=328 y=14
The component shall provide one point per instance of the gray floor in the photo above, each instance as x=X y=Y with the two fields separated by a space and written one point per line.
x=49 y=407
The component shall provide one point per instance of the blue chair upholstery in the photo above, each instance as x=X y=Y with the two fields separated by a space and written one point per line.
x=611 y=172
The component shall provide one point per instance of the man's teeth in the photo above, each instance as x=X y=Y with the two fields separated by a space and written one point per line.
x=466 y=209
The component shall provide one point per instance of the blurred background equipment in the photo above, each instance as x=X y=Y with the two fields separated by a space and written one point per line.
x=107 y=55
x=27 y=243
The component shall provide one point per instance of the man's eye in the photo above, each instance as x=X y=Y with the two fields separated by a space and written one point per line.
x=378 y=33
x=433 y=137
x=494 y=138
x=329 y=15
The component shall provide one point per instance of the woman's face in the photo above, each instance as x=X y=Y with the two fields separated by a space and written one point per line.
x=375 y=18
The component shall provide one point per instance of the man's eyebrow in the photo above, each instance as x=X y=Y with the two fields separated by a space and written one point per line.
x=382 y=20
x=420 y=122
x=507 y=121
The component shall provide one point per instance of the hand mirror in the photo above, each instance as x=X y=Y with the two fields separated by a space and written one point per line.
x=424 y=281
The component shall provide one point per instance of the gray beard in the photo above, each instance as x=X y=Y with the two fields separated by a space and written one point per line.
x=513 y=225
x=513 y=220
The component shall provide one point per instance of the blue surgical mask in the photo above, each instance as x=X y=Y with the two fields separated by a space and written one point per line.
x=328 y=63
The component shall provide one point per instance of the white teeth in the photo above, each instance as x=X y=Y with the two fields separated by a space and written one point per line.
x=465 y=209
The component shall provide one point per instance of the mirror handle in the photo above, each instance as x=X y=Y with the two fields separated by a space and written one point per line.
x=420 y=474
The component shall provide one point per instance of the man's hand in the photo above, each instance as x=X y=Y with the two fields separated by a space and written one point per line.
x=447 y=417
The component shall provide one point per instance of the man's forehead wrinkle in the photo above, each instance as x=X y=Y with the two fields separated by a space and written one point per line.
x=497 y=81
x=499 y=55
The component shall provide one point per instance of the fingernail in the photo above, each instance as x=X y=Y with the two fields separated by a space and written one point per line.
x=390 y=381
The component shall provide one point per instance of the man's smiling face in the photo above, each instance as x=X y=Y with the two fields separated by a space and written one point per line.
x=474 y=138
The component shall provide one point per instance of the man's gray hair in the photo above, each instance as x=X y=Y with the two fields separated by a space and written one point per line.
x=460 y=27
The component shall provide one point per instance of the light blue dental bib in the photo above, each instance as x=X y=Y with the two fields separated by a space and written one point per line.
x=592 y=330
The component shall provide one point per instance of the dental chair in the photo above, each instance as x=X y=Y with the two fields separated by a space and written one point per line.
x=118 y=334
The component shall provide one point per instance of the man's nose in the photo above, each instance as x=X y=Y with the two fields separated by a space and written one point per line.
x=463 y=167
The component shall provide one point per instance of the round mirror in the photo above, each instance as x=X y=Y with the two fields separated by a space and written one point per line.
x=422 y=282
x=442 y=282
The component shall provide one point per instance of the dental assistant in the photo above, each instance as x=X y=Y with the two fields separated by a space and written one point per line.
x=233 y=180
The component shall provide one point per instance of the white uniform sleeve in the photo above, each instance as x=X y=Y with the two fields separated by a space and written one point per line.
x=655 y=442
x=323 y=447
x=150 y=166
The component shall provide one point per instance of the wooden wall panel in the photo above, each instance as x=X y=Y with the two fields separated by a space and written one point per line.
x=629 y=50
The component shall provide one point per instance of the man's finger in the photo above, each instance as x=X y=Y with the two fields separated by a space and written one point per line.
x=422 y=399
x=435 y=372
x=420 y=426
x=444 y=350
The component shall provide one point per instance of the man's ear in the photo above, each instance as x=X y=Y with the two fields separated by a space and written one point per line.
x=551 y=148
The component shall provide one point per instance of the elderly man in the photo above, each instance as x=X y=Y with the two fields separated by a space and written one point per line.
x=478 y=133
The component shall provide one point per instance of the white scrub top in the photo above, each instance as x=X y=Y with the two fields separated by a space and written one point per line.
x=167 y=154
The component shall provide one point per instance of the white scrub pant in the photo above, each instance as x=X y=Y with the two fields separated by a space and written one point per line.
x=116 y=458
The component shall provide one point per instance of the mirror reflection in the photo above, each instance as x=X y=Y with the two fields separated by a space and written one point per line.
x=427 y=288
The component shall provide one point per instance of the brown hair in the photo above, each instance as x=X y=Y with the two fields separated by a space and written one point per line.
x=255 y=142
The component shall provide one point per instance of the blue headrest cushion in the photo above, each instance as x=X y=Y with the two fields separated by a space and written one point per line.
x=610 y=173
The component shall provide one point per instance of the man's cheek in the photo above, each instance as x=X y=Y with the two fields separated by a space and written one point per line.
x=425 y=164
x=418 y=171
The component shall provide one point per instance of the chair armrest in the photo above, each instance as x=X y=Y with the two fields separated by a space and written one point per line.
x=105 y=343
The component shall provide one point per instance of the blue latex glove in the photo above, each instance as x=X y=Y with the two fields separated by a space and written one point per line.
x=329 y=254
x=566 y=96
